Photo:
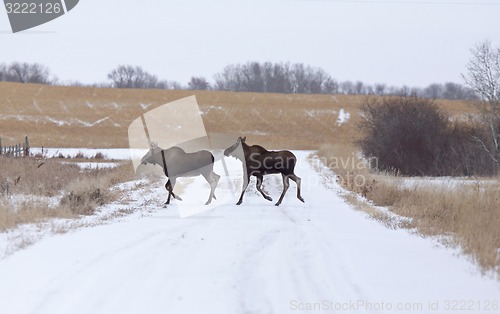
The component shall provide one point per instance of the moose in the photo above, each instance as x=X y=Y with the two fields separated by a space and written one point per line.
x=177 y=163
x=258 y=161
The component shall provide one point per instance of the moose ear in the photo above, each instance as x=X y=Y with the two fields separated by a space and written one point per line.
x=243 y=139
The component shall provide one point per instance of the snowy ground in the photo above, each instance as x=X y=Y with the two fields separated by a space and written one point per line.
x=317 y=257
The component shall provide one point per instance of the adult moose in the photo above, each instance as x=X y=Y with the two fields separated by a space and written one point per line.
x=177 y=163
x=258 y=161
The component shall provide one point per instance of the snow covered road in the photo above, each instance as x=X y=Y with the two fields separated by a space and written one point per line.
x=317 y=257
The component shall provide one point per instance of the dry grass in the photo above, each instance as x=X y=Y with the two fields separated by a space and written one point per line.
x=471 y=214
x=28 y=211
x=468 y=213
x=33 y=190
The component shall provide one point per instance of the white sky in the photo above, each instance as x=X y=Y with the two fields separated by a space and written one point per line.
x=394 y=42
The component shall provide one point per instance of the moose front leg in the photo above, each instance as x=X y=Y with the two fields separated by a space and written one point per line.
x=246 y=179
x=169 y=186
x=286 y=184
x=260 y=178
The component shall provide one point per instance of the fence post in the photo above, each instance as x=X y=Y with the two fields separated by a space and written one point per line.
x=26 y=147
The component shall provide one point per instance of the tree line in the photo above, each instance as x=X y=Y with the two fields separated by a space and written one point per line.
x=278 y=77
x=25 y=73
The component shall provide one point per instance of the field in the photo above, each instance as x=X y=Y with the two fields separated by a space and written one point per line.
x=263 y=259
x=89 y=117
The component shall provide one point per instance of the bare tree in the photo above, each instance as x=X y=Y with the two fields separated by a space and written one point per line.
x=198 y=83
x=27 y=73
x=274 y=78
x=175 y=85
x=483 y=76
x=434 y=91
x=3 y=72
x=127 y=76
x=380 y=89
x=330 y=86
x=347 y=87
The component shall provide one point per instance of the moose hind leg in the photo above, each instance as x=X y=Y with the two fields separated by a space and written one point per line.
x=172 y=184
x=286 y=184
x=246 y=179
x=213 y=183
x=259 y=188
x=216 y=177
x=168 y=187
x=297 y=181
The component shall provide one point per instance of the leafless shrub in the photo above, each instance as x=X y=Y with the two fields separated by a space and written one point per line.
x=82 y=197
x=412 y=136
x=99 y=156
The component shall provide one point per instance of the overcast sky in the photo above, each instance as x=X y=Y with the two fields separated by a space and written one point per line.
x=411 y=43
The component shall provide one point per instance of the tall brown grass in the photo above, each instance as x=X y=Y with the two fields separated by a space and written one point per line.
x=467 y=214
x=33 y=190
x=471 y=214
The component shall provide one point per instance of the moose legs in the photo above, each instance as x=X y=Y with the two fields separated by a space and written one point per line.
x=246 y=180
x=260 y=178
x=286 y=185
x=297 y=181
x=212 y=179
x=169 y=186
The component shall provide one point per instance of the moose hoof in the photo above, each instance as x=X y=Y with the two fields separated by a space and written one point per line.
x=268 y=198
x=277 y=204
x=178 y=198
x=301 y=199
x=207 y=203
x=239 y=203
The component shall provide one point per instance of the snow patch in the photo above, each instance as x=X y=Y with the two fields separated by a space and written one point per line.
x=35 y=104
x=109 y=153
x=314 y=113
x=343 y=117
x=93 y=165
x=75 y=122
x=206 y=109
